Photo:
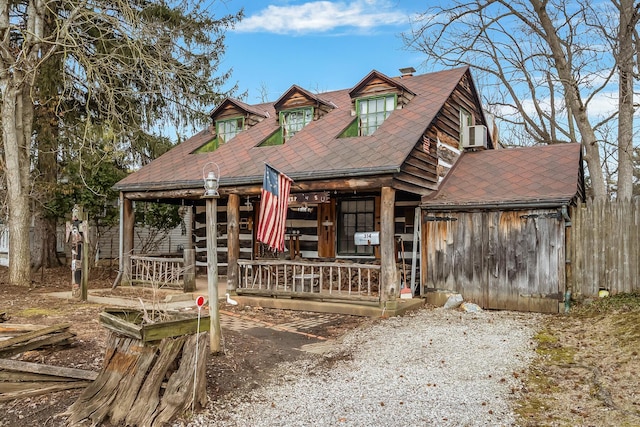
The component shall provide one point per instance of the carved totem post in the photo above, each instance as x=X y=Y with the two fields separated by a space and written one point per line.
x=78 y=231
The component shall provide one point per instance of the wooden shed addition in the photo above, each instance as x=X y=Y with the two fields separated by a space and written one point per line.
x=496 y=230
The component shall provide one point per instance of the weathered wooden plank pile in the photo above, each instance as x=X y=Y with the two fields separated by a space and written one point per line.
x=16 y=339
x=24 y=379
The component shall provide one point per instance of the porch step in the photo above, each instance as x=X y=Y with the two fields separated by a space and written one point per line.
x=353 y=309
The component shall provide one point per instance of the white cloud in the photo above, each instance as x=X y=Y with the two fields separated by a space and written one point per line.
x=323 y=16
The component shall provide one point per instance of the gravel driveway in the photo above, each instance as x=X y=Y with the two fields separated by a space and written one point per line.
x=434 y=367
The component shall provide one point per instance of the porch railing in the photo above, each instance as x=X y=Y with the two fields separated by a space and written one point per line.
x=161 y=272
x=323 y=280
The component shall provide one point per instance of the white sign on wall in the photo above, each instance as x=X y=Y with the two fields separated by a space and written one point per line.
x=367 y=238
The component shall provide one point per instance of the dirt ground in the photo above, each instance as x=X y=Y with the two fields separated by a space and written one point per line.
x=586 y=372
x=247 y=360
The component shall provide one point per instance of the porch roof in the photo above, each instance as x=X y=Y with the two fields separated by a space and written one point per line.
x=548 y=175
x=316 y=152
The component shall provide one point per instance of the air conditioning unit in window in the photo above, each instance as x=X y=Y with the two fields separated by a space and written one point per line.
x=476 y=137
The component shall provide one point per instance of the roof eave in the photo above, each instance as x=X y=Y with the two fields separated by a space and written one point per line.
x=512 y=205
x=252 y=180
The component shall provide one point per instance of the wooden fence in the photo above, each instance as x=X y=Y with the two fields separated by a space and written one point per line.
x=605 y=248
x=160 y=272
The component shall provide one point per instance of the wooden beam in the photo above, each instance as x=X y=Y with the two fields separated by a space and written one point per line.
x=233 y=241
x=38 y=368
x=40 y=390
x=388 y=274
x=34 y=334
x=185 y=193
x=128 y=219
x=188 y=218
x=320 y=296
x=339 y=184
x=215 y=334
x=53 y=339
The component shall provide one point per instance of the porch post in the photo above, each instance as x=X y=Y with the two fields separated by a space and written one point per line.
x=128 y=219
x=188 y=219
x=189 y=252
x=233 y=242
x=215 y=335
x=388 y=270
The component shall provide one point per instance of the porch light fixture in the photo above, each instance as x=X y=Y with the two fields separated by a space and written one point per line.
x=211 y=180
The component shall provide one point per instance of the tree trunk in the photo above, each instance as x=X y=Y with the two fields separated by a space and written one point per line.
x=628 y=20
x=43 y=250
x=573 y=100
x=15 y=126
x=145 y=384
x=45 y=176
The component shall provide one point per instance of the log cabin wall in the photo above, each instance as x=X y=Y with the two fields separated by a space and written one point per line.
x=511 y=260
x=439 y=148
x=200 y=233
x=305 y=226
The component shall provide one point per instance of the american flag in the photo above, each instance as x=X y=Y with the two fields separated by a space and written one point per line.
x=274 y=202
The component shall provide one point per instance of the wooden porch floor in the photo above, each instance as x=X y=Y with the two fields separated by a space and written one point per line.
x=314 y=305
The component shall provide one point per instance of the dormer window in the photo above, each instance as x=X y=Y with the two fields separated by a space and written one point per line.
x=292 y=121
x=227 y=129
x=373 y=111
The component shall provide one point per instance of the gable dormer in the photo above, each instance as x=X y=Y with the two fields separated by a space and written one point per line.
x=232 y=117
x=372 y=101
x=298 y=107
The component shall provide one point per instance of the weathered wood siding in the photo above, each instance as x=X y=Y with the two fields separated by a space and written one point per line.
x=510 y=260
x=605 y=247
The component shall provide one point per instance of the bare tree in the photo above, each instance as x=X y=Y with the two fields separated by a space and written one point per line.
x=547 y=64
x=126 y=65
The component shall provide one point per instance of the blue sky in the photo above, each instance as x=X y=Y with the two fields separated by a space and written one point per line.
x=318 y=45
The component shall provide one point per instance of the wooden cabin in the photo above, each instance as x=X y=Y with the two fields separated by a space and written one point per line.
x=361 y=160
x=497 y=230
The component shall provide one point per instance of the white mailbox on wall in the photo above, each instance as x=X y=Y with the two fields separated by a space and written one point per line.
x=367 y=238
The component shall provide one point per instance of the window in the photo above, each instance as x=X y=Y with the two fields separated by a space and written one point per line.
x=466 y=120
x=355 y=215
x=293 y=121
x=227 y=129
x=373 y=111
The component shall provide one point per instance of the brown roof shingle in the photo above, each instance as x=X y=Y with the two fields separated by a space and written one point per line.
x=315 y=152
x=548 y=174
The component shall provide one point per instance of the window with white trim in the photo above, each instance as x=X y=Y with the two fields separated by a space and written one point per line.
x=373 y=111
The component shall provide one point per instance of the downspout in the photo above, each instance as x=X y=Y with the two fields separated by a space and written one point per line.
x=568 y=277
x=120 y=244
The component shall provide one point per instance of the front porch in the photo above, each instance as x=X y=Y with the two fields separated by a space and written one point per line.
x=326 y=263
x=325 y=287
x=328 y=287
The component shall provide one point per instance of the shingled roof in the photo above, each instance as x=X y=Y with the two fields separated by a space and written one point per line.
x=315 y=152
x=542 y=176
